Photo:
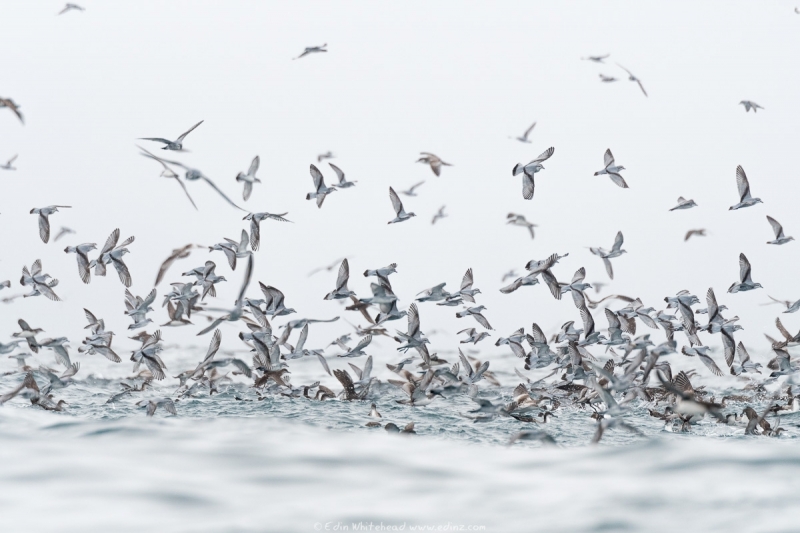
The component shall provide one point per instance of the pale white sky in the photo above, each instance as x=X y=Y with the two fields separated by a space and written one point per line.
x=453 y=78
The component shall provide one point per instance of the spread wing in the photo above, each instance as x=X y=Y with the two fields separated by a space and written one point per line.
x=316 y=175
x=528 y=186
x=339 y=173
x=776 y=227
x=254 y=166
x=742 y=183
x=608 y=158
x=466 y=281
x=44 y=228
x=111 y=242
x=544 y=156
x=396 y=203
x=744 y=269
x=190 y=130
x=344 y=274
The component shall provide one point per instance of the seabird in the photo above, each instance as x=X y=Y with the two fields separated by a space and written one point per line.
x=434 y=161
x=612 y=170
x=439 y=214
x=44 y=221
x=780 y=238
x=343 y=183
x=326 y=155
x=524 y=137
x=596 y=59
x=178 y=253
x=177 y=144
x=341 y=291
x=475 y=312
x=411 y=191
x=684 y=204
x=9 y=103
x=748 y=105
x=320 y=189
x=402 y=216
x=693 y=232
x=81 y=252
x=255 y=225
x=631 y=77
x=40 y=283
x=312 y=50
x=154 y=403
x=8 y=165
x=71 y=7
x=63 y=231
x=473 y=336
x=607 y=79
x=616 y=251
x=745 y=281
x=745 y=200
x=529 y=170
x=249 y=179
x=519 y=220
x=112 y=254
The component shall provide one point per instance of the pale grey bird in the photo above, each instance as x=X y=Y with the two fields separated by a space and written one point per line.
x=692 y=232
x=467 y=292
x=326 y=155
x=382 y=273
x=749 y=104
x=434 y=294
x=402 y=216
x=320 y=189
x=63 y=231
x=528 y=171
x=341 y=291
x=28 y=334
x=236 y=313
x=606 y=256
x=607 y=79
x=14 y=107
x=44 y=221
x=177 y=144
x=780 y=238
x=178 y=253
x=255 y=225
x=358 y=351
x=8 y=165
x=702 y=353
x=612 y=170
x=312 y=50
x=59 y=348
x=154 y=403
x=70 y=7
x=745 y=199
x=596 y=59
x=791 y=307
x=274 y=301
x=684 y=204
x=476 y=313
x=524 y=137
x=411 y=191
x=530 y=279
x=745 y=281
x=434 y=161
x=343 y=183
x=249 y=179
x=519 y=220
x=439 y=214
x=510 y=274
x=193 y=174
x=233 y=249
x=40 y=283
x=631 y=77
x=82 y=253
x=168 y=172
x=473 y=336
x=137 y=308
x=112 y=253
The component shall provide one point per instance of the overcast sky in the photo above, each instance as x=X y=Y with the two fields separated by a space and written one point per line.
x=454 y=78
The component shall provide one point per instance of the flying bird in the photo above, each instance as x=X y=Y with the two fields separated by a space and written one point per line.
x=434 y=161
x=44 y=221
x=684 y=204
x=780 y=238
x=82 y=251
x=320 y=189
x=312 y=50
x=71 y=7
x=112 y=254
x=616 y=251
x=748 y=105
x=631 y=77
x=745 y=199
x=519 y=220
x=63 y=231
x=745 y=281
x=693 y=232
x=8 y=165
x=177 y=144
x=9 y=103
x=255 y=225
x=178 y=253
x=411 y=191
x=250 y=178
x=524 y=137
x=402 y=216
x=529 y=170
x=439 y=214
x=343 y=183
x=612 y=170
x=596 y=59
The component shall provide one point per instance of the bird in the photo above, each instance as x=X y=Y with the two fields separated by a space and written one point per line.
x=71 y=7
x=81 y=251
x=410 y=192
x=466 y=291
x=780 y=238
x=320 y=189
x=476 y=313
x=631 y=77
x=177 y=144
x=154 y=403
x=684 y=204
x=190 y=174
x=612 y=170
x=745 y=199
x=249 y=179
x=233 y=249
x=178 y=253
x=137 y=308
x=529 y=170
x=111 y=253
x=40 y=283
x=343 y=183
x=402 y=216
x=532 y=435
x=326 y=155
x=596 y=59
x=607 y=79
x=434 y=161
x=693 y=232
x=616 y=251
x=341 y=291
x=473 y=336
x=519 y=220
x=255 y=225
x=749 y=104
x=8 y=165
x=44 y=221
x=745 y=281
x=63 y=231
x=14 y=107
x=524 y=137
x=791 y=307
x=439 y=214
x=312 y=50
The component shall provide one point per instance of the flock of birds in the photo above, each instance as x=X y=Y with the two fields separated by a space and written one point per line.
x=607 y=372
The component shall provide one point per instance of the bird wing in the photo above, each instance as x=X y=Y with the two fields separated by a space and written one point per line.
x=413 y=320
x=339 y=173
x=316 y=175
x=613 y=320
x=713 y=308
x=608 y=158
x=323 y=362
x=254 y=166
x=482 y=320
x=83 y=268
x=776 y=227
x=344 y=274
x=255 y=234
x=528 y=131
x=47 y=291
x=618 y=240
x=618 y=180
x=641 y=86
x=111 y=242
x=363 y=344
x=552 y=283
x=528 y=186
x=742 y=183
x=248 y=190
x=744 y=269
x=712 y=366
x=190 y=130
x=544 y=156
x=580 y=274
x=224 y=196
x=742 y=353
x=588 y=322
x=44 y=228
x=466 y=281
x=396 y=203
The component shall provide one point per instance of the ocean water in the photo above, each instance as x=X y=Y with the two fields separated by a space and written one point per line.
x=283 y=464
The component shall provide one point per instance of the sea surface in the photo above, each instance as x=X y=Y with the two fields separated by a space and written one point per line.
x=234 y=463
